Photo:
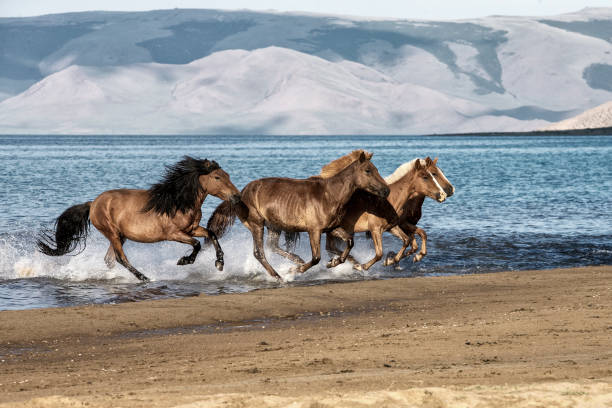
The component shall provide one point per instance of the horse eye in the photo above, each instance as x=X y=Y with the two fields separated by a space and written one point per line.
x=217 y=177
x=368 y=171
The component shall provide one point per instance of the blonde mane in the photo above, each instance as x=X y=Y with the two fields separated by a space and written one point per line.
x=336 y=166
x=402 y=170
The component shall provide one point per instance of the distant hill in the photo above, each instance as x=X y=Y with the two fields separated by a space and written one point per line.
x=210 y=71
x=598 y=117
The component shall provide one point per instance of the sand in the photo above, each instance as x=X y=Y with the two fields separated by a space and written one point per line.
x=528 y=338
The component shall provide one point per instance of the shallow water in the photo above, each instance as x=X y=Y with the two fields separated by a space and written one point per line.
x=521 y=202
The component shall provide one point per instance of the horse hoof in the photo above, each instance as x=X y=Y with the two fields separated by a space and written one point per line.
x=398 y=268
x=417 y=258
x=390 y=259
x=142 y=278
x=358 y=267
x=219 y=265
x=333 y=263
x=183 y=261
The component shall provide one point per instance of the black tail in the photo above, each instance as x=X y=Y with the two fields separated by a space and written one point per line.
x=71 y=230
x=223 y=217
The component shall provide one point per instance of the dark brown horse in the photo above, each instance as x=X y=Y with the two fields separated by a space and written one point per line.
x=409 y=184
x=398 y=214
x=168 y=211
x=314 y=205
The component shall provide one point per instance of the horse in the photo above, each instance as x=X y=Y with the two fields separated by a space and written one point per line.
x=168 y=211
x=409 y=184
x=411 y=210
x=313 y=205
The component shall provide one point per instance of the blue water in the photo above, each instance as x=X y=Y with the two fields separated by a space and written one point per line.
x=521 y=202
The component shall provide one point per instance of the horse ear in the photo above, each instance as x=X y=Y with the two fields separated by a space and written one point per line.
x=369 y=155
x=417 y=164
x=428 y=161
x=435 y=161
x=362 y=157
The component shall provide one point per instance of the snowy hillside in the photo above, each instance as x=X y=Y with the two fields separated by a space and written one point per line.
x=598 y=117
x=207 y=71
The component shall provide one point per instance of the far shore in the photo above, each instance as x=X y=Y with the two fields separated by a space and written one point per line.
x=500 y=339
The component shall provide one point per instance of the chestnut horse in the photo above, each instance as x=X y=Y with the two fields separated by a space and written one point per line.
x=169 y=211
x=398 y=214
x=314 y=205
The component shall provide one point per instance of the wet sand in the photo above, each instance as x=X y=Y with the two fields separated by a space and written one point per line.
x=501 y=339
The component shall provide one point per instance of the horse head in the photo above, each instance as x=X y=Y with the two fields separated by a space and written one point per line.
x=367 y=177
x=218 y=183
x=438 y=174
x=428 y=180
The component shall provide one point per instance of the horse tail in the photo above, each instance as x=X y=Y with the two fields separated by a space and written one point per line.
x=71 y=229
x=291 y=240
x=223 y=217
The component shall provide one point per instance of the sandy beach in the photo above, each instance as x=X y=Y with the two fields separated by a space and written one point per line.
x=528 y=338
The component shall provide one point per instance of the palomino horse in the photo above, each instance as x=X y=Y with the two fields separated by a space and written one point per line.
x=169 y=211
x=314 y=205
x=409 y=185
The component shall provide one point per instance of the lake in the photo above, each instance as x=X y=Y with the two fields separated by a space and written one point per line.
x=521 y=202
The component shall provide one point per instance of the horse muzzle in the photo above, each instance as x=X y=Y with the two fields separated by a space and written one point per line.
x=449 y=191
x=441 y=197
x=234 y=199
x=383 y=192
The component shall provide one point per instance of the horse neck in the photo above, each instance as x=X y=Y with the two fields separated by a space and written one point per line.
x=341 y=186
x=403 y=192
x=200 y=199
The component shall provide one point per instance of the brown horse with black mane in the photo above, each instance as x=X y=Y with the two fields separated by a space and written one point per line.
x=314 y=205
x=169 y=211
x=398 y=213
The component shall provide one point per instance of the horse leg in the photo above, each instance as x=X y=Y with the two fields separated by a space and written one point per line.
x=423 y=250
x=109 y=258
x=315 y=247
x=348 y=239
x=377 y=239
x=257 y=230
x=117 y=244
x=203 y=232
x=407 y=239
x=330 y=246
x=185 y=238
x=273 y=238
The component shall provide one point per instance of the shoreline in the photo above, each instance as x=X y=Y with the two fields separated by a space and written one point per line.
x=603 y=131
x=357 y=339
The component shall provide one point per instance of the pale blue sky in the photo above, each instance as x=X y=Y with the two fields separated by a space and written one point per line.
x=428 y=9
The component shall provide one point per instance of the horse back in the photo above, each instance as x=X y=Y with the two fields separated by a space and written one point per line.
x=290 y=204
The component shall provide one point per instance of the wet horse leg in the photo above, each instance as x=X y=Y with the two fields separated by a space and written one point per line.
x=257 y=230
x=407 y=237
x=315 y=247
x=204 y=233
x=332 y=249
x=117 y=243
x=348 y=239
x=109 y=258
x=377 y=239
x=423 y=250
x=273 y=238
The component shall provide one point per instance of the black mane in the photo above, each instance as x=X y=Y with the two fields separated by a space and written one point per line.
x=180 y=187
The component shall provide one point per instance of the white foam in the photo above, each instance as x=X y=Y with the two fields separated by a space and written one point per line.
x=19 y=259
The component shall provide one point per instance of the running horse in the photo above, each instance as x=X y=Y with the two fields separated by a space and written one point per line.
x=168 y=211
x=409 y=184
x=313 y=205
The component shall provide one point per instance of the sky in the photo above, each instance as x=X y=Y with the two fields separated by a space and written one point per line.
x=428 y=9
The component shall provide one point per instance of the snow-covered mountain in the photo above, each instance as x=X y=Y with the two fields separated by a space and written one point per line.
x=598 y=117
x=208 y=71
